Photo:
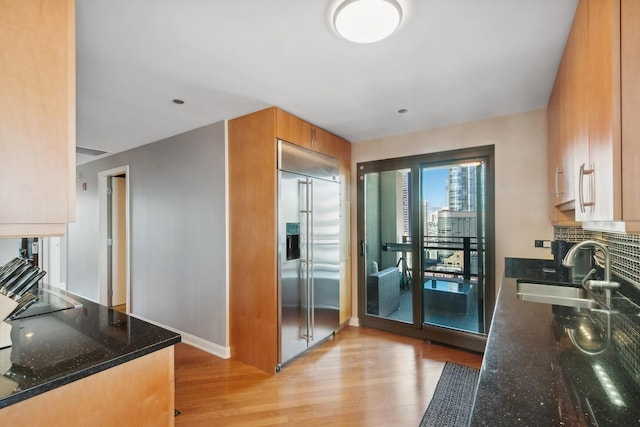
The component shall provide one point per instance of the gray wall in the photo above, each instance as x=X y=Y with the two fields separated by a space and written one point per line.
x=178 y=250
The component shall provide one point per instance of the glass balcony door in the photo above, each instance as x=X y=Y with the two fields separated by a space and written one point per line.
x=386 y=249
x=425 y=229
x=453 y=235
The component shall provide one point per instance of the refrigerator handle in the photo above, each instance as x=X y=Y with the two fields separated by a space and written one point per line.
x=308 y=256
x=311 y=287
x=305 y=269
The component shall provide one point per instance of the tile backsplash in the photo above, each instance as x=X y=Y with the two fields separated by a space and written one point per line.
x=625 y=263
x=625 y=249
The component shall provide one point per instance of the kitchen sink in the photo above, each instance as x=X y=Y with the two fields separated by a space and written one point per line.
x=568 y=296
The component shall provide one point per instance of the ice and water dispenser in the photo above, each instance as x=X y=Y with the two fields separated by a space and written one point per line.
x=293 y=240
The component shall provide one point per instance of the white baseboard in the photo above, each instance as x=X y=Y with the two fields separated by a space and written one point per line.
x=354 y=321
x=194 y=341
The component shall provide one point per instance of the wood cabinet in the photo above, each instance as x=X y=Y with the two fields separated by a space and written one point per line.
x=253 y=299
x=598 y=84
x=567 y=122
x=556 y=168
x=599 y=159
x=37 y=106
x=560 y=154
x=607 y=184
x=140 y=392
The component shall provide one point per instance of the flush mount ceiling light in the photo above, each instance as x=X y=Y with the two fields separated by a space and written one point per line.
x=367 y=21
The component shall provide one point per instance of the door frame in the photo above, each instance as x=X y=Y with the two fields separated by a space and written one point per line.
x=463 y=339
x=102 y=234
x=53 y=257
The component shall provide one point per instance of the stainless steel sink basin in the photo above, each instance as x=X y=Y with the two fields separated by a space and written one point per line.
x=567 y=296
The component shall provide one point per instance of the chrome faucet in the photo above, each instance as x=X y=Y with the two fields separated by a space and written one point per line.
x=606 y=284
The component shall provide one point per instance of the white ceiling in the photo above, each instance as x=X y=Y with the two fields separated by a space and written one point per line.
x=450 y=61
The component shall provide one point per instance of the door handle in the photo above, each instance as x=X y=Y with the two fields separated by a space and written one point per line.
x=362 y=247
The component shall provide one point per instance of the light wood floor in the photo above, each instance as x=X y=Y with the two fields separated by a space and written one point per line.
x=363 y=377
x=122 y=308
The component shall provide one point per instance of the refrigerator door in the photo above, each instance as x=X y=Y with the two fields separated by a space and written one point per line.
x=294 y=267
x=325 y=214
x=308 y=249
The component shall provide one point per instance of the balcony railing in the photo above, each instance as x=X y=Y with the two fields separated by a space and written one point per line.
x=468 y=245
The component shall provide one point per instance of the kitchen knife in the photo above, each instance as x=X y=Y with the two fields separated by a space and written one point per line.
x=10 y=271
x=30 y=283
x=10 y=264
x=22 y=281
x=9 y=282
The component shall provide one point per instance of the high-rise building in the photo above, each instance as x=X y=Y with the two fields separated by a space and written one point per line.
x=457 y=224
x=406 y=197
x=462 y=189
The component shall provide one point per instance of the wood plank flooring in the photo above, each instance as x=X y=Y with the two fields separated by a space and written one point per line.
x=122 y=308
x=363 y=377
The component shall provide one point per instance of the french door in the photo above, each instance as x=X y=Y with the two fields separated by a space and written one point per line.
x=425 y=227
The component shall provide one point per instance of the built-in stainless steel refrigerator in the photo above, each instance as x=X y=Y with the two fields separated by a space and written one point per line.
x=308 y=249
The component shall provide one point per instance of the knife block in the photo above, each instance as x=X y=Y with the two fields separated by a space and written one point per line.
x=7 y=305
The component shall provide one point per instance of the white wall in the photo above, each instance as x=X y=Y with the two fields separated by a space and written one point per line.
x=520 y=142
x=9 y=249
x=178 y=233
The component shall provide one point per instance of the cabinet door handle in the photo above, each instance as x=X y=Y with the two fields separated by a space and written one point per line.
x=558 y=172
x=584 y=171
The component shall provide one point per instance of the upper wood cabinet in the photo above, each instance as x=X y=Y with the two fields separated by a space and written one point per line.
x=630 y=105
x=598 y=165
x=607 y=184
x=297 y=131
x=291 y=128
x=560 y=190
x=567 y=121
x=37 y=117
x=253 y=172
x=599 y=81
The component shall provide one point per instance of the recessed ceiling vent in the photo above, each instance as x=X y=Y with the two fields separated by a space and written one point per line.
x=89 y=151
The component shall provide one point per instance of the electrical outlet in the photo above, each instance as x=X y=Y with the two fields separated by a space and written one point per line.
x=538 y=243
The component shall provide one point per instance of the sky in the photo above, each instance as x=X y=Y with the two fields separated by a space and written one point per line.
x=434 y=183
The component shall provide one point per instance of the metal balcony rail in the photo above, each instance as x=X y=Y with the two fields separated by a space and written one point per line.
x=466 y=244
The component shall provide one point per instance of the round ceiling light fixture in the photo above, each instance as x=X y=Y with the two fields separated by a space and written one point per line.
x=367 y=21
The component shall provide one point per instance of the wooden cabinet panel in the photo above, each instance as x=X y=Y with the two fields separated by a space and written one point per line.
x=293 y=129
x=575 y=120
x=136 y=393
x=630 y=89
x=252 y=239
x=554 y=151
x=600 y=195
x=299 y=132
x=567 y=121
x=37 y=106
x=324 y=142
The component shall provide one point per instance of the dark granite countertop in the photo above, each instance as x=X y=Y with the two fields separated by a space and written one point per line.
x=533 y=373
x=71 y=340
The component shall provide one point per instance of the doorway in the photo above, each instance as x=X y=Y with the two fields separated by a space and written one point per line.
x=425 y=226
x=53 y=260
x=114 y=268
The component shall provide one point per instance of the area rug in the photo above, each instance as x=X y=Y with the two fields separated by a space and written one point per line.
x=453 y=398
